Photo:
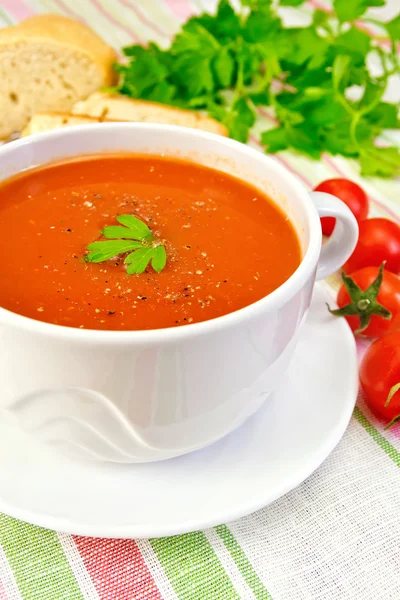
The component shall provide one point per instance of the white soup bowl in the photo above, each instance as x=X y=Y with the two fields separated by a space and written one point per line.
x=138 y=396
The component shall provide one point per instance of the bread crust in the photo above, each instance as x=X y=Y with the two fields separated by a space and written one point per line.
x=96 y=105
x=58 y=120
x=66 y=32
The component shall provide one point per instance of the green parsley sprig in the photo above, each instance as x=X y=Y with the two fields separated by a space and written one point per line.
x=231 y=63
x=131 y=236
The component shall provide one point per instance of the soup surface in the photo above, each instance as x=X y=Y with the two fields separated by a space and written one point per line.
x=227 y=244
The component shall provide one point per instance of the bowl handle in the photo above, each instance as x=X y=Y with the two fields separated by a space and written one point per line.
x=344 y=237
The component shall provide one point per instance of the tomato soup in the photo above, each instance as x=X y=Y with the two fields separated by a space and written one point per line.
x=227 y=244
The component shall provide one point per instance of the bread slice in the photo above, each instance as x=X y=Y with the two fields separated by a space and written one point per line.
x=48 y=121
x=122 y=108
x=47 y=63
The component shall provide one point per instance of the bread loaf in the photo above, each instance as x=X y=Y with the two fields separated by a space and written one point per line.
x=48 y=63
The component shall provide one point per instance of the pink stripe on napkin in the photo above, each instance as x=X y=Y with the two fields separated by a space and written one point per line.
x=2 y=593
x=141 y=16
x=18 y=11
x=180 y=8
x=114 y=22
x=117 y=569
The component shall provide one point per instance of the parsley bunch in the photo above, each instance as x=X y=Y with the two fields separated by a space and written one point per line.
x=230 y=63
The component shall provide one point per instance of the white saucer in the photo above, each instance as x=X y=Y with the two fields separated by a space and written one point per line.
x=265 y=458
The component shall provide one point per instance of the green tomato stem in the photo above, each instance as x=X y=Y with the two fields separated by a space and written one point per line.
x=392 y=392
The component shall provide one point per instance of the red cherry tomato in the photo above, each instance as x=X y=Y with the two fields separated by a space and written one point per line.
x=378 y=241
x=350 y=193
x=388 y=296
x=380 y=374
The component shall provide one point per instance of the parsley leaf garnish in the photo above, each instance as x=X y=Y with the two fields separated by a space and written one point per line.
x=138 y=261
x=132 y=236
x=234 y=61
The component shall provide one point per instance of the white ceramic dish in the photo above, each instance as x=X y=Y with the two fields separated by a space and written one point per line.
x=272 y=453
x=137 y=396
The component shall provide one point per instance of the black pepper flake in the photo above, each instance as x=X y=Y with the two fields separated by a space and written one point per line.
x=143 y=298
x=176 y=321
x=68 y=230
x=111 y=312
x=225 y=280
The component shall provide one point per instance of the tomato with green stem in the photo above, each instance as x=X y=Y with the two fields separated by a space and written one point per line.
x=380 y=377
x=369 y=299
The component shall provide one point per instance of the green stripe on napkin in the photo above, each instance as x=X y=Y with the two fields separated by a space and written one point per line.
x=243 y=564
x=193 y=568
x=38 y=562
x=377 y=437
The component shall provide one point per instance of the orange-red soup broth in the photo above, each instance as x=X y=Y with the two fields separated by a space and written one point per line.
x=227 y=244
